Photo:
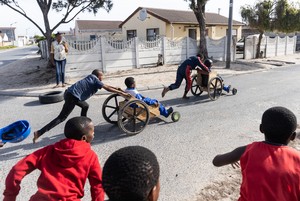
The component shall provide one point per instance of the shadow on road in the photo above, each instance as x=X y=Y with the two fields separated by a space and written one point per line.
x=105 y=132
x=194 y=100
x=9 y=151
x=33 y=103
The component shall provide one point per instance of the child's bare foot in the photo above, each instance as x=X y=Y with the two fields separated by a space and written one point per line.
x=165 y=90
x=185 y=97
x=63 y=85
x=56 y=86
x=35 y=137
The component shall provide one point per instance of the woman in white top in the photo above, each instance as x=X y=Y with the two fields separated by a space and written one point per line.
x=59 y=50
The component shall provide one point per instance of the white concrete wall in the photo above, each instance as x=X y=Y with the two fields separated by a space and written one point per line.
x=113 y=56
x=270 y=46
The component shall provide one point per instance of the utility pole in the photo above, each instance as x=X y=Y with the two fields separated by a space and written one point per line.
x=229 y=35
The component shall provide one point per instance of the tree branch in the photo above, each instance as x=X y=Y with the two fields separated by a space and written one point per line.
x=24 y=14
x=63 y=20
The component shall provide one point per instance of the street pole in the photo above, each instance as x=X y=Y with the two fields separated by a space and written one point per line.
x=229 y=35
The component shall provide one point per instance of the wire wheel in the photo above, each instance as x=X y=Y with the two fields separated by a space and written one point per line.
x=133 y=117
x=111 y=108
x=196 y=89
x=215 y=88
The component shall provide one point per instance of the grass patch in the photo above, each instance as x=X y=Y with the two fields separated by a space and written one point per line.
x=7 y=47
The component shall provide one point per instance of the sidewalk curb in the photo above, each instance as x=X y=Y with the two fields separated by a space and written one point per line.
x=101 y=93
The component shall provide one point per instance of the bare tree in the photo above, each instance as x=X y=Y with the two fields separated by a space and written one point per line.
x=69 y=8
x=198 y=7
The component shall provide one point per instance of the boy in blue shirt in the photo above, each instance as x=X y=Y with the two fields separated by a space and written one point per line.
x=130 y=84
x=77 y=94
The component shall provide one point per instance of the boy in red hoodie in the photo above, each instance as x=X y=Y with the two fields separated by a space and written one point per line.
x=64 y=167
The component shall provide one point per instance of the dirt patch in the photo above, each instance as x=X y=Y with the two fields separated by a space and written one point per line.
x=26 y=73
x=225 y=189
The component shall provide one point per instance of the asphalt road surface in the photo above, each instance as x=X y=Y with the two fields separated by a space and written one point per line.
x=9 y=56
x=184 y=149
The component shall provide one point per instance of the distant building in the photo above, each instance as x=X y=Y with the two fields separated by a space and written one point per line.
x=23 y=41
x=10 y=32
x=175 y=24
x=3 y=37
x=91 y=29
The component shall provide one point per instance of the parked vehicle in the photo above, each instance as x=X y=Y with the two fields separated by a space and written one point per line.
x=240 y=45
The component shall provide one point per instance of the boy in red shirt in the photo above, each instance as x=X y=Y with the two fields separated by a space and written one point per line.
x=64 y=167
x=270 y=169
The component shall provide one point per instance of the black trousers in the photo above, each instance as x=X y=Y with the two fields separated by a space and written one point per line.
x=69 y=105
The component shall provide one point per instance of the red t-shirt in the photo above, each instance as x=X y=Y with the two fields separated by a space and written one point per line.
x=270 y=173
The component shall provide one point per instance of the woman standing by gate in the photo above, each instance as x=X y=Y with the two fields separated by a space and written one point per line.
x=59 y=50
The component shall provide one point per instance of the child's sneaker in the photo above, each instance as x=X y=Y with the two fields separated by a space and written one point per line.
x=170 y=111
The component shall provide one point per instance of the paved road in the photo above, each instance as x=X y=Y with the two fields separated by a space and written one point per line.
x=184 y=149
x=9 y=56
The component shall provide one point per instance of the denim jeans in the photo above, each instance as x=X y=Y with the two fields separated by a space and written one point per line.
x=60 y=70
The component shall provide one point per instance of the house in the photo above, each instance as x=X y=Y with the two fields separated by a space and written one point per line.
x=3 y=37
x=10 y=32
x=148 y=23
x=4 y=40
x=86 y=30
x=23 y=41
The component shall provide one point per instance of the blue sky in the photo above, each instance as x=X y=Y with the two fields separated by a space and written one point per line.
x=120 y=11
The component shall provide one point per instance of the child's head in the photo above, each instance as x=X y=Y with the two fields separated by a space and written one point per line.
x=279 y=125
x=129 y=82
x=80 y=128
x=131 y=174
x=208 y=63
x=98 y=74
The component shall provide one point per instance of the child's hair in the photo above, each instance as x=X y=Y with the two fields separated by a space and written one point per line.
x=201 y=56
x=130 y=174
x=129 y=81
x=77 y=127
x=97 y=72
x=278 y=124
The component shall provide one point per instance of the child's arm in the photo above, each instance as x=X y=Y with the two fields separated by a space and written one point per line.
x=229 y=158
x=95 y=179
x=115 y=90
x=18 y=172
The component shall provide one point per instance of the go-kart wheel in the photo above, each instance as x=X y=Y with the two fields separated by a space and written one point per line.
x=196 y=89
x=175 y=116
x=133 y=117
x=215 y=88
x=110 y=108
x=234 y=91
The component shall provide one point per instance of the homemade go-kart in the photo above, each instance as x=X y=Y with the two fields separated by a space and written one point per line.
x=15 y=132
x=131 y=115
x=212 y=83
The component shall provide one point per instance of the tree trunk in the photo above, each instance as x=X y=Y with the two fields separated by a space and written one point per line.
x=258 y=45
x=202 y=46
x=48 y=34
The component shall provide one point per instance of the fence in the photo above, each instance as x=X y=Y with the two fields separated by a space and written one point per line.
x=270 y=47
x=116 y=55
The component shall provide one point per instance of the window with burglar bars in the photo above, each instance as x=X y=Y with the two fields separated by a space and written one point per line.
x=152 y=34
